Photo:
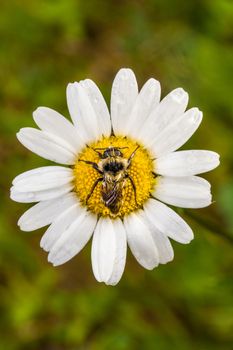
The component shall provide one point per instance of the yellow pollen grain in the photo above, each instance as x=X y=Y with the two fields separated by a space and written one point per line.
x=140 y=171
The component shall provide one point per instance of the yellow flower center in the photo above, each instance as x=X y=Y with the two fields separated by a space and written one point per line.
x=120 y=189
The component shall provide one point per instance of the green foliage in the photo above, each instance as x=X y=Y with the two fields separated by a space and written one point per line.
x=186 y=304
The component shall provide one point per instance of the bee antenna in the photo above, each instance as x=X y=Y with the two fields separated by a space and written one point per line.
x=95 y=150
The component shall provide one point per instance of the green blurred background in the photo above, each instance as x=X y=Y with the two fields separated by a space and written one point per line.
x=187 y=304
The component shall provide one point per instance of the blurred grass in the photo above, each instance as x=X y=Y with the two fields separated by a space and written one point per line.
x=186 y=304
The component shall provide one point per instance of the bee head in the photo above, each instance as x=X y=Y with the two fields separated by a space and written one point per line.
x=112 y=152
x=109 y=152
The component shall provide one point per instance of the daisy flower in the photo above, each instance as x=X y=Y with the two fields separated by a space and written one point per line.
x=118 y=170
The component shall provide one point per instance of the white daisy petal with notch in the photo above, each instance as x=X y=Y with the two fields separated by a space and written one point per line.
x=123 y=96
x=60 y=225
x=186 y=163
x=147 y=99
x=73 y=240
x=141 y=241
x=43 y=178
x=108 y=252
x=186 y=192
x=82 y=112
x=167 y=221
x=171 y=107
x=177 y=133
x=99 y=105
x=46 y=145
x=37 y=196
x=44 y=213
x=164 y=247
x=54 y=123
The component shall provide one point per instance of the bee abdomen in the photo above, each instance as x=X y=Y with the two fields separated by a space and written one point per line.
x=115 y=208
x=112 y=200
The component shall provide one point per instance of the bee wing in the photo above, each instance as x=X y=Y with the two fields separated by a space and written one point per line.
x=111 y=193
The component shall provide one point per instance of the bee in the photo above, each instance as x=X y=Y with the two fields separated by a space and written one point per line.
x=113 y=169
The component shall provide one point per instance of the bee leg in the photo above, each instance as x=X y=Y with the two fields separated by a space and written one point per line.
x=134 y=187
x=95 y=150
x=131 y=156
x=93 y=164
x=93 y=188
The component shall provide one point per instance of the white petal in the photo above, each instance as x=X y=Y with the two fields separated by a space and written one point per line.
x=43 y=178
x=99 y=105
x=43 y=213
x=168 y=221
x=37 y=196
x=53 y=122
x=171 y=107
x=141 y=241
x=146 y=101
x=177 y=133
x=39 y=171
x=163 y=245
x=82 y=112
x=73 y=239
x=109 y=250
x=60 y=225
x=186 y=163
x=123 y=97
x=46 y=145
x=186 y=192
